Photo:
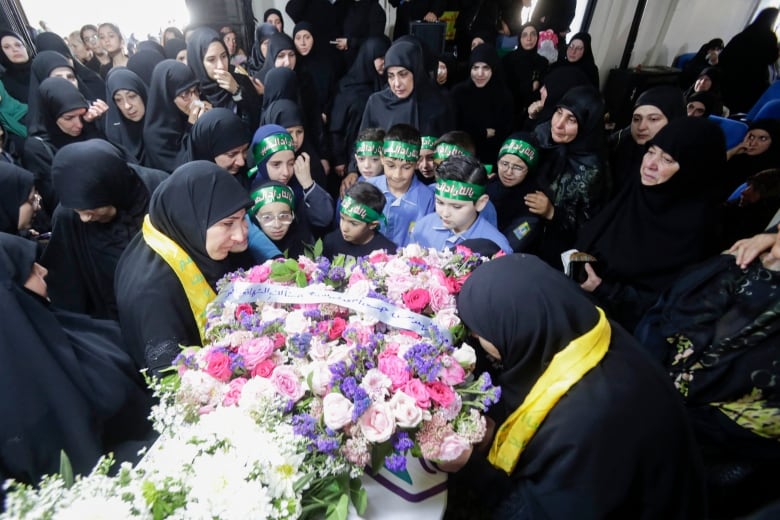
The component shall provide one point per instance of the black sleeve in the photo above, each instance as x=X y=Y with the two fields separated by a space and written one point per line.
x=38 y=158
x=296 y=9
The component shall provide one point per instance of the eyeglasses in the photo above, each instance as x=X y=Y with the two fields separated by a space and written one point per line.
x=35 y=200
x=762 y=138
x=516 y=168
x=92 y=38
x=285 y=219
x=576 y=48
x=187 y=94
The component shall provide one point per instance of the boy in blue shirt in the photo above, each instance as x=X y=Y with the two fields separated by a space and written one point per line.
x=460 y=196
x=368 y=158
x=408 y=199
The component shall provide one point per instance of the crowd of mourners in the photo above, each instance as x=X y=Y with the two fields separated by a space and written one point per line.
x=636 y=272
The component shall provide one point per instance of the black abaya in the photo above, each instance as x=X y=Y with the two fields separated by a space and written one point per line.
x=120 y=130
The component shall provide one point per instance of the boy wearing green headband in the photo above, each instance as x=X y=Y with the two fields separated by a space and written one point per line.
x=360 y=215
x=460 y=196
x=408 y=199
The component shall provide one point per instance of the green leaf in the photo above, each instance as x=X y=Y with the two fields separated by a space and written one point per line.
x=66 y=470
x=339 y=510
x=378 y=454
x=358 y=495
x=300 y=279
x=318 y=247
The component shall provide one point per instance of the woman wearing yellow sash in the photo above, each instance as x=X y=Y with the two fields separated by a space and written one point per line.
x=587 y=427
x=194 y=234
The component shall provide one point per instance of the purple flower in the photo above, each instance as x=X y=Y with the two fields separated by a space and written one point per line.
x=327 y=445
x=360 y=407
x=304 y=425
x=336 y=273
x=299 y=344
x=395 y=462
x=402 y=442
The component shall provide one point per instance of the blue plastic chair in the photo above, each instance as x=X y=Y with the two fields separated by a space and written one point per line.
x=680 y=61
x=771 y=110
x=735 y=195
x=733 y=130
x=770 y=94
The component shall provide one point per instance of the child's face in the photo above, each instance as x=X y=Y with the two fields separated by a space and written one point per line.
x=275 y=219
x=399 y=174
x=456 y=215
x=512 y=170
x=355 y=231
x=369 y=165
x=296 y=132
x=281 y=166
x=426 y=164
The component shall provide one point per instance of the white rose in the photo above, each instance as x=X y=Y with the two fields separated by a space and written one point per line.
x=465 y=356
x=377 y=423
x=296 y=322
x=336 y=411
x=446 y=318
x=405 y=410
x=359 y=289
x=271 y=313
x=318 y=377
x=414 y=250
x=319 y=350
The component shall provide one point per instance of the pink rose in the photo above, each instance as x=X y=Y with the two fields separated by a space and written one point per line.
x=440 y=393
x=405 y=410
x=243 y=308
x=287 y=383
x=377 y=423
x=451 y=447
x=355 y=277
x=336 y=328
x=259 y=273
x=451 y=372
x=336 y=411
x=264 y=369
x=377 y=256
x=454 y=284
x=395 y=368
x=218 y=365
x=463 y=250
x=233 y=394
x=416 y=300
x=256 y=350
x=279 y=340
x=318 y=377
x=419 y=392
x=440 y=298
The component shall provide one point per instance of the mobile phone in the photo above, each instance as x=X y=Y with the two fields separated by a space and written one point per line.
x=333 y=42
x=577 y=271
x=43 y=236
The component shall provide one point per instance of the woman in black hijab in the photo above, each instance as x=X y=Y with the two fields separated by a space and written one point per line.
x=758 y=151
x=176 y=49
x=361 y=80
x=66 y=118
x=410 y=97
x=103 y=200
x=317 y=60
x=653 y=110
x=483 y=103
x=664 y=220
x=94 y=84
x=127 y=100
x=168 y=273
x=579 y=54
x=16 y=61
x=524 y=69
x=555 y=84
x=16 y=193
x=572 y=170
x=257 y=58
x=67 y=384
x=221 y=137
x=745 y=62
x=143 y=64
x=597 y=430
x=166 y=124
x=220 y=83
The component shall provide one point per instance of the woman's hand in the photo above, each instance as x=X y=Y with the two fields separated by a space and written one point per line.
x=302 y=170
x=259 y=87
x=539 y=204
x=430 y=17
x=592 y=282
x=342 y=44
x=349 y=180
x=491 y=132
x=739 y=149
x=95 y=110
x=226 y=81
x=748 y=249
x=197 y=109
x=534 y=109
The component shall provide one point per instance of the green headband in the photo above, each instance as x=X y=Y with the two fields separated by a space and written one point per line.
x=445 y=150
x=521 y=149
x=368 y=148
x=427 y=142
x=269 y=194
x=400 y=150
x=270 y=145
x=456 y=190
x=353 y=209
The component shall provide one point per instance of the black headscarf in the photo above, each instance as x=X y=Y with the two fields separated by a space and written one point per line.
x=360 y=81
x=522 y=67
x=587 y=63
x=277 y=43
x=82 y=257
x=626 y=155
x=165 y=126
x=277 y=12
x=426 y=108
x=15 y=186
x=257 y=60
x=173 y=47
x=323 y=64
x=280 y=83
x=216 y=132
x=119 y=130
x=557 y=83
x=196 y=196
x=149 y=45
x=83 y=397
x=143 y=64
x=58 y=96
x=742 y=166
x=94 y=84
x=196 y=50
x=285 y=113
x=645 y=236
x=530 y=313
x=16 y=77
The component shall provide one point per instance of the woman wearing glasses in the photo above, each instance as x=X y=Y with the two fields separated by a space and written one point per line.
x=758 y=151
x=174 y=106
x=579 y=53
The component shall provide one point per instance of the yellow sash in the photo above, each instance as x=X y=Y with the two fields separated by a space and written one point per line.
x=199 y=292
x=567 y=367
